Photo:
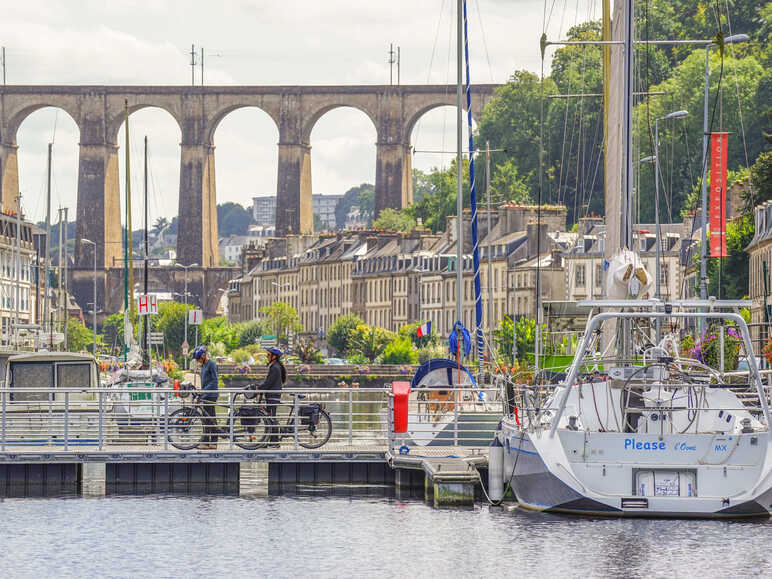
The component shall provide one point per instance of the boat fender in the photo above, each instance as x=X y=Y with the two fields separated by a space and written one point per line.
x=517 y=416
x=176 y=387
x=496 y=470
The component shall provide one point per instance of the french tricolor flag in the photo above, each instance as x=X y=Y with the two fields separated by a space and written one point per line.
x=424 y=330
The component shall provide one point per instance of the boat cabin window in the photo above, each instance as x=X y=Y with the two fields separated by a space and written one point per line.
x=28 y=375
x=31 y=375
x=73 y=375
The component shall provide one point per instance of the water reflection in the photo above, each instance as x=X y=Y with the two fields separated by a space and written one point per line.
x=321 y=533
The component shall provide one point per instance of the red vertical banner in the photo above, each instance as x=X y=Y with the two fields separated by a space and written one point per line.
x=718 y=147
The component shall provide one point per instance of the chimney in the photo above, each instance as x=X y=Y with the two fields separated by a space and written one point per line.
x=557 y=257
x=533 y=244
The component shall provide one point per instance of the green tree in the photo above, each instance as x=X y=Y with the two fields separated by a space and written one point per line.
x=393 y=220
x=364 y=193
x=112 y=331
x=232 y=219
x=508 y=185
x=681 y=160
x=399 y=351
x=307 y=352
x=251 y=332
x=421 y=185
x=434 y=208
x=733 y=270
x=410 y=331
x=319 y=225
x=218 y=329
x=79 y=337
x=369 y=341
x=525 y=333
x=339 y=334
x=171 y=322
x=761 y=181
x=283 y=320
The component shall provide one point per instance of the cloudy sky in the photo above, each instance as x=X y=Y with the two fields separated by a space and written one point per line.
x=256 y=42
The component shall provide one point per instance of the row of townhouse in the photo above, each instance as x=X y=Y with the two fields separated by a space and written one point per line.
x=391 y=279
x=760 y=274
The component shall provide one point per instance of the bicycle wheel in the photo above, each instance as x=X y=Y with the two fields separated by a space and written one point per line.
x=250 y=428
x=186 y=428
x=314 y=435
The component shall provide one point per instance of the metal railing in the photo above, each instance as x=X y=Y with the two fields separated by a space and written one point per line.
x=146 y=418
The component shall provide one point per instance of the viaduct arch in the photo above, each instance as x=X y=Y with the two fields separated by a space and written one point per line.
x=99 y=111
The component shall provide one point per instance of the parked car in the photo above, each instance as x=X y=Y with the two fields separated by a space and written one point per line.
x=336 y=362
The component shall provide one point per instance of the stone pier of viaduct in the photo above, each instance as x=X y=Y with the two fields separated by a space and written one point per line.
x=98 y=112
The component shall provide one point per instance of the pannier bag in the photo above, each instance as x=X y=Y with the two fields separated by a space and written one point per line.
x=248 y=415
x=309 y=414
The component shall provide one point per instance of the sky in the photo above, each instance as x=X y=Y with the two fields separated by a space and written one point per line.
x=256 y=42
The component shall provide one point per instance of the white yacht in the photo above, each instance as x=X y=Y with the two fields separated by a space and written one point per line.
x=651 y=435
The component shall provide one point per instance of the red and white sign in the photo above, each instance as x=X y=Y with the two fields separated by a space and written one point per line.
x=195 y=317
x=718 y=147
x=147 y=305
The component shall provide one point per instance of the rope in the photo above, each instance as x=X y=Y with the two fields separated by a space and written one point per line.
x=473 y=203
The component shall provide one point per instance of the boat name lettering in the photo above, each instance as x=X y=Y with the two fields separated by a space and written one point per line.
x=684 y=446
x=632 y=444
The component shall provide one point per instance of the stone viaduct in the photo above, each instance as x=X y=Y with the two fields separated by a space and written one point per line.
x=98 y=112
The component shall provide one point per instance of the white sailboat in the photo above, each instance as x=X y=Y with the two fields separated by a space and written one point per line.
x=635 y=429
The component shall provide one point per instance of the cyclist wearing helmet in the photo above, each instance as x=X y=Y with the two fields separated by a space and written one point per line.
x=272 y=385
x=209 y=396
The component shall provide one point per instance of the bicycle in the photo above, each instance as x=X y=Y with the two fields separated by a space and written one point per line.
x=248 y=423
x=313 y=430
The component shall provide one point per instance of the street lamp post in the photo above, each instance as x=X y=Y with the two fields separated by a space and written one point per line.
x=703 y=214
x=94 y=313
x=185 y=339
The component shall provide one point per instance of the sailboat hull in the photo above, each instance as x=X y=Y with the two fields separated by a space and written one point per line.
x=546 y=475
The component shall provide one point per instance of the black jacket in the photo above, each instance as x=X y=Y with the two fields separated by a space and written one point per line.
x=273 y=382
x=209 y=381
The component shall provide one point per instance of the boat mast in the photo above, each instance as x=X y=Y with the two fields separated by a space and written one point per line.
x=48 y=240
x=128 y=308
x=17 y=276
x=146 y=357
x=459 y=167
x=626 y=237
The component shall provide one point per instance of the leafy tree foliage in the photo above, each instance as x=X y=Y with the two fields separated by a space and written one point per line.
x=733 y=270
x=508 y=185
x=399 y=351
x=282 y=319
x=369 y=341
x=251 y=332
x=339 y=334
x=410 y=331
x=170 y=320
x=79 y=337
x=393 y=220
x=362 y=195
x=232 y=219
x=307 y=352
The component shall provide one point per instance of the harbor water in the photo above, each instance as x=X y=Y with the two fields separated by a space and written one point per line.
x=290 y=536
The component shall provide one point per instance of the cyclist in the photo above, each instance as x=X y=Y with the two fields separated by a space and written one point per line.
x=209 y=397
x=272 y=385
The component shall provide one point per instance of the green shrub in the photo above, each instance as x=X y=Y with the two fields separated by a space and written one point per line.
x=399 y=351
x=430 y=352
x=339 y=334
x=240 y=355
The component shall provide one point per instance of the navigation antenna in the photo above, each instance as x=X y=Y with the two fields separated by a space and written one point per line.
x=192 y=64
x=392 y=60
